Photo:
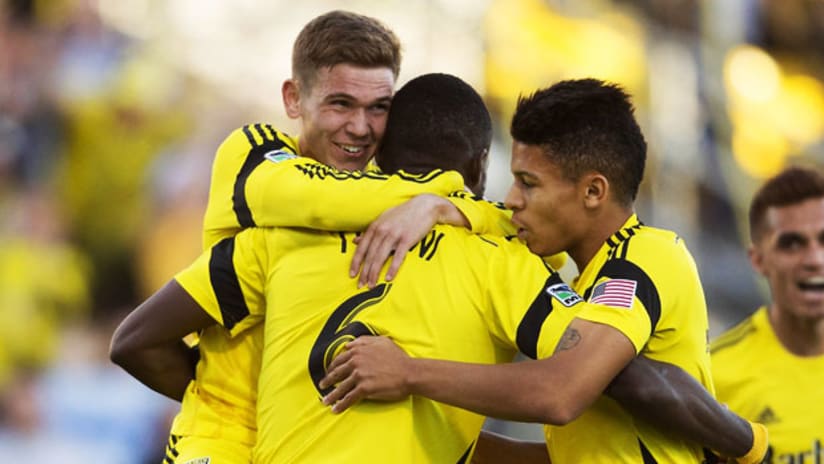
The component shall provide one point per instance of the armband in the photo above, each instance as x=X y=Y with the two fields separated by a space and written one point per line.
x=759 y=445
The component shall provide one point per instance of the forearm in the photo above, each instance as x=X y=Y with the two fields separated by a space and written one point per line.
x=498 y=449
x=273 y=195
x=148 y=343
x=165 y=369
x=482 y=216
x=672 y=400
x=491 y=390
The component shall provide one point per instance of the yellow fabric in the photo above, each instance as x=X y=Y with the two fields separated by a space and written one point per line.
x=667 y=284
x=461 y=296
x=200 y=450
x=220 y=403
x=260 y=179
x=760 y=442
x=757 y=377
x=299 y=191
x=493 y=218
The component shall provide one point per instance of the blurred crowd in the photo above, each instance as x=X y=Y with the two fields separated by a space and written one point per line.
x=93 y=157
x=105 y=153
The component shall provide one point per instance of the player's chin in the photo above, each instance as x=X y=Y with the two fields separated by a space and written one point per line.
x=354 y=163
x=538 y=248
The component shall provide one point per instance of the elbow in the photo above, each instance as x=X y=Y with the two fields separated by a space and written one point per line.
x=559 y=412
x=121 y=352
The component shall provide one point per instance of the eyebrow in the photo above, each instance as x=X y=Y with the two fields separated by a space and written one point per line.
x=346 y=96
x=790 y=235
x=524 y=174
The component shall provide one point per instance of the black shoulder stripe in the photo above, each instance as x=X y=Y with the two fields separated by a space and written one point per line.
x=266 y=131
x=624 y=246
x=253 y=159
x=225 y=284
x=645 y=291
x=530 y=327
x=249 y=136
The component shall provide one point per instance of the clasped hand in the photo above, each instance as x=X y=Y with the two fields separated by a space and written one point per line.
x=371 y=367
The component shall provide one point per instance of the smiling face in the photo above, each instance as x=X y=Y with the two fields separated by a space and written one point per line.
x=343 y=114
x=790 y=254
x=548 y=209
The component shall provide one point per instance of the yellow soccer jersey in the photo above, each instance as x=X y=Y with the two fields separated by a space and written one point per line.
x=270 y=186
x=461 y=296
x=258 y=178
x=643 y=282
x=220 y=403
x=759 y=379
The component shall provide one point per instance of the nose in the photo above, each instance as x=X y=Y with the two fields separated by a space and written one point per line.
x=514 y=200
x=815 y=256
x=359 y=124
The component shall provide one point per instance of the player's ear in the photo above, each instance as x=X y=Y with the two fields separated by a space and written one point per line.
x=595 y=188
x=476 y=173
x=291 y=98
x=756 y=258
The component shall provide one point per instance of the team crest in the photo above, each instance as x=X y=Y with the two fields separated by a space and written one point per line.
x=205 y=460
x=276 y=156
x=564 y=294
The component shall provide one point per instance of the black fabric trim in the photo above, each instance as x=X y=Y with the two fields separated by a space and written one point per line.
x=339 y=328
x=225 y=283
x=465 y=456
x=253 y=159
x=645 y=454
x=530 y=327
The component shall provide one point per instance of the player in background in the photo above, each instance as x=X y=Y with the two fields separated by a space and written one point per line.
x=241 y=313
x=578 y=159
x=770 y=367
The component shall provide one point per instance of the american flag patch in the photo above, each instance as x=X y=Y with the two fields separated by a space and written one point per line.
x=615 y=292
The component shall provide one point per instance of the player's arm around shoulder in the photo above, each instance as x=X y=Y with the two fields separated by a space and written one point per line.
x=148 y=345
x=236 y=158
x=303 y=192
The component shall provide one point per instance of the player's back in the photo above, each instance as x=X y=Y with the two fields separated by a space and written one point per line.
x=458 y=296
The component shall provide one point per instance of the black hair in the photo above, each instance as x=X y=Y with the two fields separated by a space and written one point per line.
x=585 y=125
x=793 y=185
x=437 y=121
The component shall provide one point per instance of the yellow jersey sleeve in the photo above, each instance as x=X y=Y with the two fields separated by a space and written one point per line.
x=633 y=323
x=493 y=218
x=550 y=302
x=305 y=193
x=238 y=157
x=484 y=216
x=260 y=179
x=228 y=280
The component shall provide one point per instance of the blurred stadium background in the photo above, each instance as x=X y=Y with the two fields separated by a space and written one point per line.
x=110 y=112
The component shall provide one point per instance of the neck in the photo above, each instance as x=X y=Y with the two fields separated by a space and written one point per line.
x=801 y=336
x=601 y=227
